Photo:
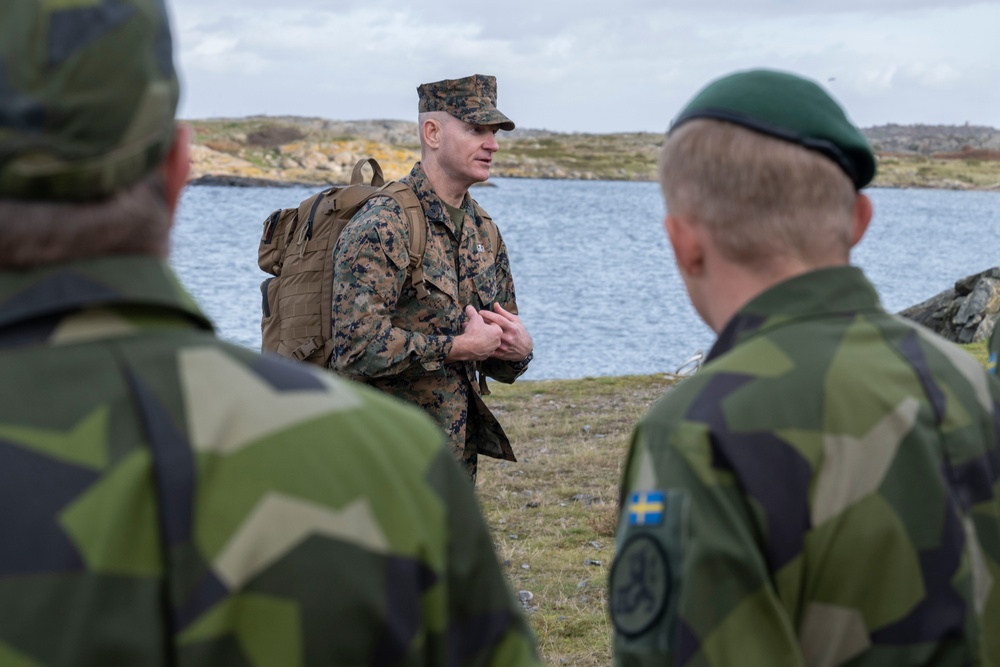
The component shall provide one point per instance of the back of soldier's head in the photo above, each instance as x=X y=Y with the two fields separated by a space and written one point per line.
x=88 y=93
x=770 y=164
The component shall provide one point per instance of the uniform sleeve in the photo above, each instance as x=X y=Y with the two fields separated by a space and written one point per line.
x=994 y=350
x=500 y=369
x=369 y=272
x=690 y=584
x=487 y=627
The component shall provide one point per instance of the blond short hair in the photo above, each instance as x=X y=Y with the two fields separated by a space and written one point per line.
x=759 y=197
x=135 y=220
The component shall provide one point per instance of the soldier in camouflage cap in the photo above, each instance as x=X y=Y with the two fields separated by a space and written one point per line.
x=472 y=99
x=429 y=348
x=169 y=498
x=824 y=491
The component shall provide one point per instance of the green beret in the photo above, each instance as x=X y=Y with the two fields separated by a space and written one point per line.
x=88 y=94
x=472 y=99
x=787 y=107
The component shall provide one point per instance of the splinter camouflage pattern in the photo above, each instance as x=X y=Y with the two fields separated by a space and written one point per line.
x=68 y=130
x=823 y=492
x=994 y=349
x=169 y=499
x=472 y=99
x=388 y=338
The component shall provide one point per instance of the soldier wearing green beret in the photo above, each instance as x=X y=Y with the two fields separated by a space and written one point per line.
x=435 y=349
x=167 y=498
x=824 y=491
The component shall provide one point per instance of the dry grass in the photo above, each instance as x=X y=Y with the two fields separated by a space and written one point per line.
x=554 y=513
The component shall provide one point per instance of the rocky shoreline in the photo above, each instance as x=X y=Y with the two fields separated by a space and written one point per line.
x=263 y=151
x=966 y=312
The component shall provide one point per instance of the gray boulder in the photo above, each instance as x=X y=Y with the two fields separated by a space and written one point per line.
x=965 y=313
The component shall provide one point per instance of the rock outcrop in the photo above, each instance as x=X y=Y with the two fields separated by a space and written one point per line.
x=965 y=313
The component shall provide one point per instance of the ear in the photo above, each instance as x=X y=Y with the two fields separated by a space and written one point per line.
x=863 y=211
x=689 y=251
x=431 y=131
x=177 y=166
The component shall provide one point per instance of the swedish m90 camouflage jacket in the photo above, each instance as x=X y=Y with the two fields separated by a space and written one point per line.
x=994 y=349
x=169 y=499
x=390 y=339
x=823 y=492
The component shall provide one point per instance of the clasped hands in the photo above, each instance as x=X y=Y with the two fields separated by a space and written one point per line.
x=493 y=333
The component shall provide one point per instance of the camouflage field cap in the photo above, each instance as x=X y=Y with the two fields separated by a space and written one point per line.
x=787 y=107
x=88 y=93
x=472 y=99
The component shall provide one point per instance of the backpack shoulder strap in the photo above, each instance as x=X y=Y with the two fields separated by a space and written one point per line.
x=414 y=212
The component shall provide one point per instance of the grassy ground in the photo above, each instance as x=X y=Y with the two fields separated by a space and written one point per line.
x=554 y=512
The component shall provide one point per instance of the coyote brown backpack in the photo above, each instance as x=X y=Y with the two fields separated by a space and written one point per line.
x=297 y=250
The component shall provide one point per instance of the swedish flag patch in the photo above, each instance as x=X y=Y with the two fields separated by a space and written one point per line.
x=645 y=508
x=992 y=363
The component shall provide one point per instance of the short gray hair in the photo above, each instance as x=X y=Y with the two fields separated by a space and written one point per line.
x=134 y=220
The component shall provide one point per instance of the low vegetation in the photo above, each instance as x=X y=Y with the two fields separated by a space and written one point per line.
x=313 y=150
x=554 y=512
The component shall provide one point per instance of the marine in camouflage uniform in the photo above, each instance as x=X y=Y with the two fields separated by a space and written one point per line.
x=170 y=499
x=391 y=338
x=824 y=491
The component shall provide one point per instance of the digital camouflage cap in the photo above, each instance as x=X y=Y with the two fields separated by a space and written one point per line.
x=790 y=108
x=472 y=99
x=88 y=93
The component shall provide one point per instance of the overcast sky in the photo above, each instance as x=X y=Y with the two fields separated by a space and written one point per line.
x=624 y=65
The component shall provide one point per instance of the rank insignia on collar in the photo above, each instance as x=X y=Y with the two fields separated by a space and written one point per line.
x=645 y=508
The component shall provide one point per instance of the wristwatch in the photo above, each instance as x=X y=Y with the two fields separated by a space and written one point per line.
x=521 y=365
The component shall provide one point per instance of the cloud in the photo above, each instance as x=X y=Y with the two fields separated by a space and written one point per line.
x=610 y=67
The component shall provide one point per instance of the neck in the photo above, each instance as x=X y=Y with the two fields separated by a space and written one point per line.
x=727 y=289
x=445 y=188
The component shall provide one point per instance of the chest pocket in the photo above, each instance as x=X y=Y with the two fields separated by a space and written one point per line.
x=485 y=281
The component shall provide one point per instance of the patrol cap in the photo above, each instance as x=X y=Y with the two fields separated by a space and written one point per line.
x=88 y=93
x=472 y=99
x=787 y=107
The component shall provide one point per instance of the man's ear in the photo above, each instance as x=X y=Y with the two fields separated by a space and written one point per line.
x=689 y=252
x=177 y=166
x=863 y=211
x=431 y=131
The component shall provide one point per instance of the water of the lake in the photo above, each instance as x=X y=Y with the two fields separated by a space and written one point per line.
x=595 y=279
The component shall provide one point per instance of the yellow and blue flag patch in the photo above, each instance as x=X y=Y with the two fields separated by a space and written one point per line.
x=992 y=363
x=645 y=508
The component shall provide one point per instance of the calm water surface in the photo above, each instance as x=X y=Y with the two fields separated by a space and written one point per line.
x=594 y=274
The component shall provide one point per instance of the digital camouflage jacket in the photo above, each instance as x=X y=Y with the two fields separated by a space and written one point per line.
x=170 y=499
x=823 y=492
x=387 y=337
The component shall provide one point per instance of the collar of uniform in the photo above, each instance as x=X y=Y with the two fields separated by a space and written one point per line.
x=434 y=208
x=840 y=290
x=107 y=282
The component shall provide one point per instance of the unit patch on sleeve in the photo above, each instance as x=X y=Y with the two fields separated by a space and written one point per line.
x=640 y=584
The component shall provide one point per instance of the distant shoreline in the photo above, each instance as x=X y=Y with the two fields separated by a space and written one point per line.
x=287 y=151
